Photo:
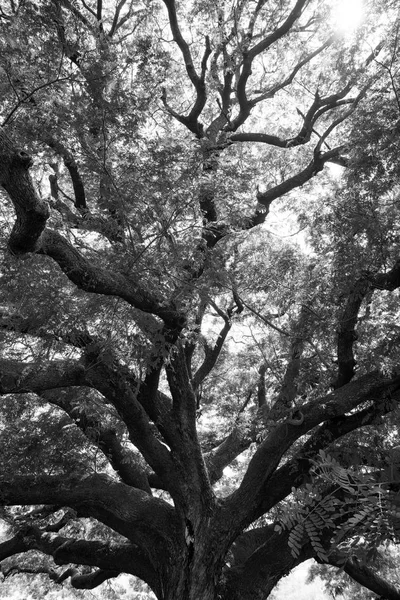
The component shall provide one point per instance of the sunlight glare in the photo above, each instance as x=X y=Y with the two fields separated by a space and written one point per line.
x=347 y=16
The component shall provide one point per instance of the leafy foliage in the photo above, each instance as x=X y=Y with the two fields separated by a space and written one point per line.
x=199 y=339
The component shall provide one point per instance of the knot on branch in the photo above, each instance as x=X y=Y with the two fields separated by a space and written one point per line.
x=22 y=159
x=296 y=418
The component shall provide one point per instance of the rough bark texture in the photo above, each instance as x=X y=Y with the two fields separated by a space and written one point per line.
x=191 y=543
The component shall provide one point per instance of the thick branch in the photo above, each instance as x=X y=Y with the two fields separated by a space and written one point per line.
x=14 y=545
x=111 y=559
x=10 y=320
x=119 y=389
x=263 y=557
x=90 y=581
x=288 y=391
x=365 y=576
x=19 y=377
x=369 y=388
x=387 y=281
x=349 y=318
x=144 y=520
x=29 y=235
x=186 y=445
x=123 y=461
x=346 y=332
x=294 y=472
x=238 y=440
x=116 y=557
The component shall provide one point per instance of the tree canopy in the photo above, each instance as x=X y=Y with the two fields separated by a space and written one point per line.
x=199 y=371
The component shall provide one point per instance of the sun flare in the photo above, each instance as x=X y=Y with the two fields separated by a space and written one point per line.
x=347 y=16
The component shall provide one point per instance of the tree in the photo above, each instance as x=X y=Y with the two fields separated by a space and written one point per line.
x=142 y=151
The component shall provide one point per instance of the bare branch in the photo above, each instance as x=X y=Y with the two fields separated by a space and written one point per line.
x=182 y=44
x=270 y=93
x=30 y=95
x=198 y=81
x=249 y=55
x=313 y=168
x=115 y=23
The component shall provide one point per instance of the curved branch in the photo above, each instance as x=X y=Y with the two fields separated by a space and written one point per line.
x=370 y=388
x=198 y=81
x=265 y=199
x=258 y=547
x=111 y=559
x=249 y=55
x=14 y=545
x=295 y=471
x=17 y=377
x=182 y=44
x=146 y=521
x=123 y=461
x=120 y=390
x=90 y=581
x=125 y=558
x=318 y=108
x=365 y=576
x=29 y=235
